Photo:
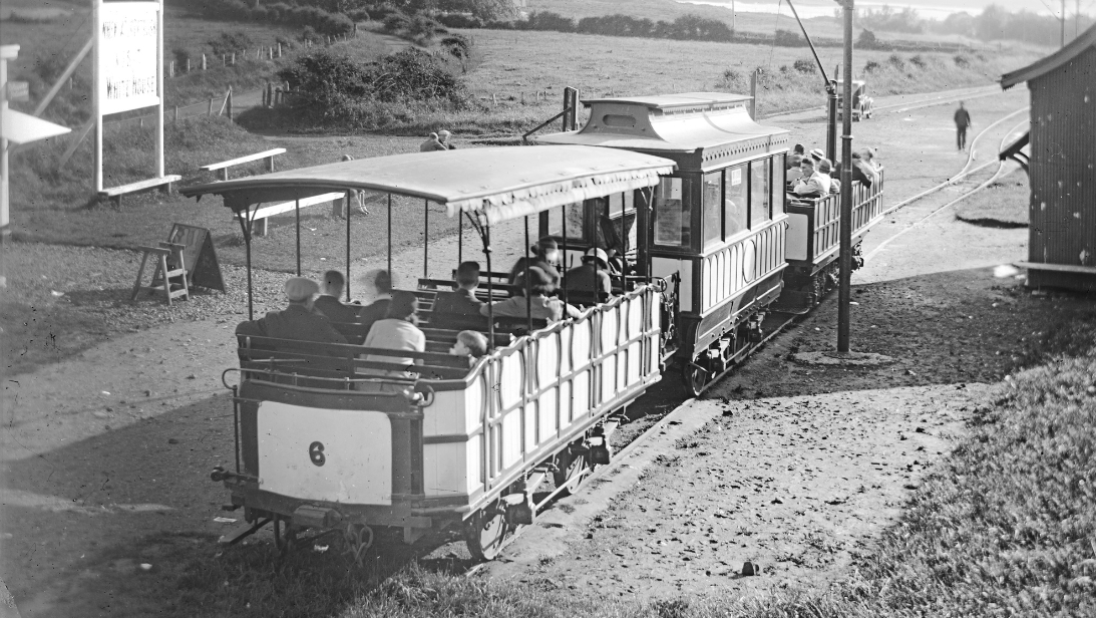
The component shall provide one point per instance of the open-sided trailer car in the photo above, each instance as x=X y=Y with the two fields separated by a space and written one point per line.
x=321 y=446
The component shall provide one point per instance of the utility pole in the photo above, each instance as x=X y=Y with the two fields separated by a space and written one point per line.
x=843 y=281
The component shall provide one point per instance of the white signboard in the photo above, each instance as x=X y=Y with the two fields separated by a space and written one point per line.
x=128 y=50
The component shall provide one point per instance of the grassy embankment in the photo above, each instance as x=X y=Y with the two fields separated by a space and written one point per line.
x=1004 y=203
x=514 y=65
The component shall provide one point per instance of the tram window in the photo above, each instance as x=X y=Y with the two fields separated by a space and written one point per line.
x=734 y=199
x=673 y=222
x=574 y=216
x=779 y=179
x=759 y=192
x=711 y=200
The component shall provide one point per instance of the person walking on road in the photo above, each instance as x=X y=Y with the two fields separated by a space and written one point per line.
x=962 y=123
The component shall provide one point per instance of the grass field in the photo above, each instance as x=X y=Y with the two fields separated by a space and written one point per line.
x=1005 y=203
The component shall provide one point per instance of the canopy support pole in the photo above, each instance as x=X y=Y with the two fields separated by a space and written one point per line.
x=348 y=195
x=426 y=239
x=245 y=227
x=528 y=283
x=389 y=237
x=298 y=211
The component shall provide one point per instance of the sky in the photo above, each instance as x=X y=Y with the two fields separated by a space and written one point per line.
x=930 y=9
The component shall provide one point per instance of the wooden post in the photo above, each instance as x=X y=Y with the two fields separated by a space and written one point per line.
x=233 y=58
x=230 y=103
x=270 y=55
x=210 y=111
x=523 y=98
x=175 y=116
x=279 y=50
x=141 y=122
x=224 y=60
x=494 y=100
x=188 y=65
x=203 y=62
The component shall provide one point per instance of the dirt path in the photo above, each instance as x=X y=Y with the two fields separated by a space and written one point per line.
x=97 y=484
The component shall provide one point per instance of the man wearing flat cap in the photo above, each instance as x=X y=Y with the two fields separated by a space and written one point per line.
x=592 y=276
x=298 y=321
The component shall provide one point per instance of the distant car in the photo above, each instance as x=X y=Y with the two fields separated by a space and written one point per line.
x=861 y=102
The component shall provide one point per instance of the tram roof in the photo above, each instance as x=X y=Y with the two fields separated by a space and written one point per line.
x=501 y=182
x=716 y=125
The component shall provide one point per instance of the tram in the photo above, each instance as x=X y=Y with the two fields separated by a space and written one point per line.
x=722 y=226
x=687 y=189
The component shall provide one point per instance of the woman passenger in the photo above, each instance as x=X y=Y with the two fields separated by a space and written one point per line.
x=539 y=285
x=397 y=331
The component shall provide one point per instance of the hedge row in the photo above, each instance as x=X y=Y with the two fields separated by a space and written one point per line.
x=323 y=22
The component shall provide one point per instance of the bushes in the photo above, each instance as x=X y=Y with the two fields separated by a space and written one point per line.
x=324 y=22
x=805 y=65
x=334 y=89
x=867 y=40
x=872 y=67
x=230 y=43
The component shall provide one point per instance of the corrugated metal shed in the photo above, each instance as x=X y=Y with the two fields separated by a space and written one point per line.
x=1062 y=238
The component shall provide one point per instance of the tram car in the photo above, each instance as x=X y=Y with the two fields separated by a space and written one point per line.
x=686 y=189
x=721 y=227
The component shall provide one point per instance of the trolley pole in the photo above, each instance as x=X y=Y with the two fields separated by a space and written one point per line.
x=846 y=191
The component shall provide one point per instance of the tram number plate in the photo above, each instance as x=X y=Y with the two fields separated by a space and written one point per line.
x=315 y=453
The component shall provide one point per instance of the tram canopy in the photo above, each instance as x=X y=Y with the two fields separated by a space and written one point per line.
x=500 y=182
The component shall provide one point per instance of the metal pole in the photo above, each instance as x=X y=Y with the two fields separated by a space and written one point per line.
x=426 y=239
x=528 y=284
x=160 y=91
x=95 y=102
x=348 y=246
x=846 y=193
x=389 y=236
x=298 y=210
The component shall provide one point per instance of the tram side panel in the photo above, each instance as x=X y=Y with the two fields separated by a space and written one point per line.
x=524 y=404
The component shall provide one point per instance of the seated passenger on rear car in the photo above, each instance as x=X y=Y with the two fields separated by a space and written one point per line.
x=397 y=331
x=470 y=344
x=328 y=303
x=461 y=301
x=297 y=322
x=381 y=282
x=825 y=168
x=592 y=276
x=539 y=285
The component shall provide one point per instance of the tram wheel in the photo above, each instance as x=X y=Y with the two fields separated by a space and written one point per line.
x=570 y=470
x=695 y=378
x=485 y=531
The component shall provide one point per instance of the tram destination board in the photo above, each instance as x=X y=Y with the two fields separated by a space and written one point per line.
x=201 y=258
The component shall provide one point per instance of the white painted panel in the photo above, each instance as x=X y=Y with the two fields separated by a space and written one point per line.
x=608 y=378
x=511 y=438
x=510 y=380
x=565 y=339
x=633 y=375
x=580 y=394
x=547 y=360
x=736 y=269
x=357 y=453
x=474 y=401
x=609 y=319
x=567 y=403
x=721 y=276
x=530 y=427
x=664 y=267
x=445 y=469
x=446 y=415
x=580 y=344
x=749 y=257
x=548 y=428
x=796 y=246
x=472 y=465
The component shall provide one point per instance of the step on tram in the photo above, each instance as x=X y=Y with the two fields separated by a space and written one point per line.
x=687 y=189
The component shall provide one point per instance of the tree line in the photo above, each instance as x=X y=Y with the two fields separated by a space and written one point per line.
x=995 y=23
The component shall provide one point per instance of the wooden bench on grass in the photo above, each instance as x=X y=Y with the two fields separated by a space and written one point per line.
x=264 y=212
x=224 y=165
x=115 y=193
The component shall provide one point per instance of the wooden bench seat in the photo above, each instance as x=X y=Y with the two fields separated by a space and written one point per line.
x=263 y=213
x=115 y=193
x=223 y=166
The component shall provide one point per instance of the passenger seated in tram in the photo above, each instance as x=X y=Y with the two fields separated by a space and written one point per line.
x=538 y=305
x=470 y=344
x=812 y=183
x=298 y=322
x=397 y=331
x=825 y=168
x=461 y=301
x=792 y=172
x=381 y=282
x=545 y=257
x=328 y=303
x=592 y=276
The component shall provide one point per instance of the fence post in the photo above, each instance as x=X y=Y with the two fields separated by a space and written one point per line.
x=523 y=97
x=229 y=105
x=203 y=62
x=494 y=100
x=170 y=72
x=188 y=65
x=224 y=60
x=175 y=117
x=279 y=50
x=210 y=111
x=141 y=122
x=271 y=57
x=233 y=58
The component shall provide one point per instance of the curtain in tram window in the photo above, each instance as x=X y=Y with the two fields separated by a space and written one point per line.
x=734 y=199
x=759 y=192
x=711 y=200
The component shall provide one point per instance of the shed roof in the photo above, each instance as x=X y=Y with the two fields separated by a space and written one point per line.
x=1076 y=47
